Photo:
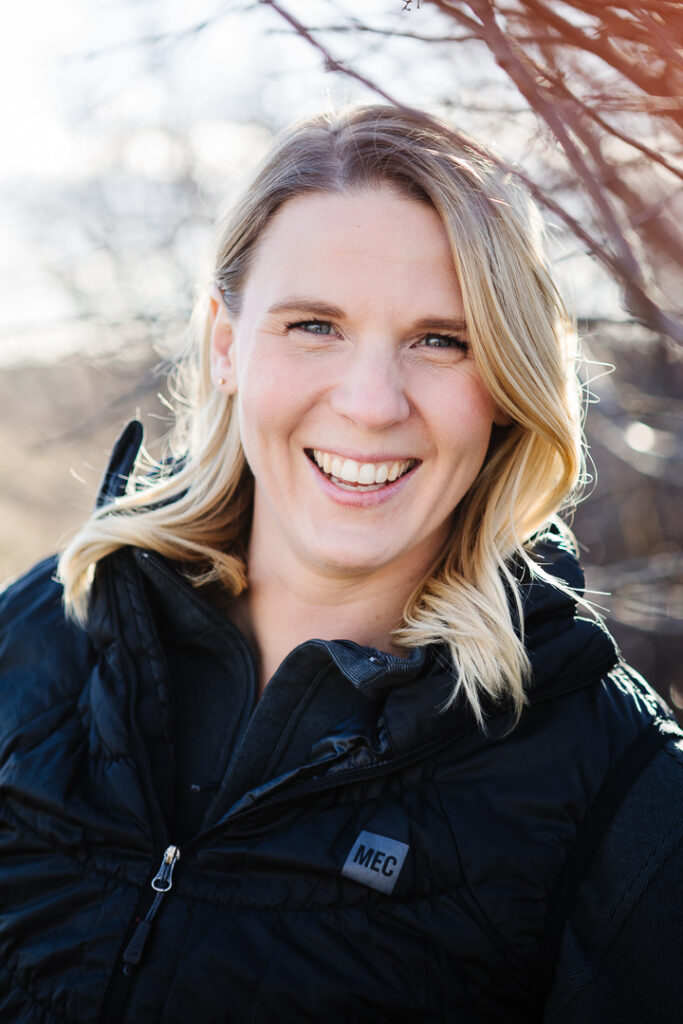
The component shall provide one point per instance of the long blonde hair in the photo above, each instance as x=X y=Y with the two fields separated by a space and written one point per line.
x=195 y=507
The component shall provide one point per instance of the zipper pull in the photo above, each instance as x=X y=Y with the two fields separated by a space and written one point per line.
x=163 y=880
x=133 y=951
x=161 y=883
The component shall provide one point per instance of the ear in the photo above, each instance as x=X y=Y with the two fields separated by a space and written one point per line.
x=222 y=343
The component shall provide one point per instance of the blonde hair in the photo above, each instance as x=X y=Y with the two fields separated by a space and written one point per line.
x=195 y=507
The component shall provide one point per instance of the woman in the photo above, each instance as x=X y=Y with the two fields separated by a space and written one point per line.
x=309 y=728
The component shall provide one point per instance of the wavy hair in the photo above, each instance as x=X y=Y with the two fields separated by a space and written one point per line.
x=195 y=507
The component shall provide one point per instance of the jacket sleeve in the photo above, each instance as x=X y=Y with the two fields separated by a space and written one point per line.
x=621 y=957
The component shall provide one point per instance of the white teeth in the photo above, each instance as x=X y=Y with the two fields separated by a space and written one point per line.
x=367 y=474
x=349 y=471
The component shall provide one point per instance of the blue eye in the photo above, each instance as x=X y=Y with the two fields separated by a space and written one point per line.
x=445 y=341
x=311 y=326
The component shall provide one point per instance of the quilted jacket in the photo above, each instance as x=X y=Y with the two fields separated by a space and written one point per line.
x=413 y=867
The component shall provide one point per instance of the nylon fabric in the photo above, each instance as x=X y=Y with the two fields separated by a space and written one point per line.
x=260 y=924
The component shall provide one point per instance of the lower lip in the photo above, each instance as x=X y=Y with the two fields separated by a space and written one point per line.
x=361 y=499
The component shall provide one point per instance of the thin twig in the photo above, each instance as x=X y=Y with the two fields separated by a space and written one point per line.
x=572 y=35
x=610 y=129
x=353 y=27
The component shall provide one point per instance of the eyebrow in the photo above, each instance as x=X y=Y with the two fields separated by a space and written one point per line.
x=300 y=304
x=297 y=304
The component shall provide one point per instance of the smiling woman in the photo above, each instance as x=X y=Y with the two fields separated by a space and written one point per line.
x=399 y=413
x=320 y=671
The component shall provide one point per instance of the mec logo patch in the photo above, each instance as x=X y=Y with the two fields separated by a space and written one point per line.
x=375 y=861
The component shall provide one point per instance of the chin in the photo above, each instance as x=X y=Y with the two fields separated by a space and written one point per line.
x=344 y=559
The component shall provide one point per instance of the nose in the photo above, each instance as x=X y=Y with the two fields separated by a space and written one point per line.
x=370 y=391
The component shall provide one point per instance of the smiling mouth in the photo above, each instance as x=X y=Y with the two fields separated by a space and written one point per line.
x=359 y=476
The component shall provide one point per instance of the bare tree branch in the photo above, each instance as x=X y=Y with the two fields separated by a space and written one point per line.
x=604 y=48
x=353 y=28
x=162 y=38
x=510 y=61
x=621 y=262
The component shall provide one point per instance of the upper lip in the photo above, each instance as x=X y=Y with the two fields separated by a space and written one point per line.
x=345 y=453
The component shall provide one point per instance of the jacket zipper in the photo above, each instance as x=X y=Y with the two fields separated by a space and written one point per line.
x=161 y=883
x=118 y=990
x=310 y=787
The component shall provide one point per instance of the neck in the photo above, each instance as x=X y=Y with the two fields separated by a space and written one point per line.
x=283 y=608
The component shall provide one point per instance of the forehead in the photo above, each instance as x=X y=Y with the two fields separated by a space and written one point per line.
x=372 y=241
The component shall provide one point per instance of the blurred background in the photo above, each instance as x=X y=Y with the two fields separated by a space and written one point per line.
x=128 y=125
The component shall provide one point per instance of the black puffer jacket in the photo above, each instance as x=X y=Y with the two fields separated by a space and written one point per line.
x=409 y=868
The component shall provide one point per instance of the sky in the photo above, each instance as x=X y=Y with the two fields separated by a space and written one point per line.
x=95 y=95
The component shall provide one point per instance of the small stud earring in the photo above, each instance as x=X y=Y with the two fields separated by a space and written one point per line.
x=221 y=382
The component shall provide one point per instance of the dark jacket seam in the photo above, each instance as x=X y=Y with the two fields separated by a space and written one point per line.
x=369 y=903
x=71 y=702
x=147 y=633
x=111 y=758
x=483 y=919
x=85 y=861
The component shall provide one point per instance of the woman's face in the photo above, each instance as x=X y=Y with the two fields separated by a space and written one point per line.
x=363 y=416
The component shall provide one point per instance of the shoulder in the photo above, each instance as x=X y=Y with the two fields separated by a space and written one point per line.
x=622 y=944
x=593 y=717
x=34 y=594
x=32 y=618
x=43 y=655
x=624 y=692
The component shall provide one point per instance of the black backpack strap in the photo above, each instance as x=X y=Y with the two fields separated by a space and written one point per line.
x=121 y=462
x=595 y=824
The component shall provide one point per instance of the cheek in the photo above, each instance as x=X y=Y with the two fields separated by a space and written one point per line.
x=270 y=402
x=467 y=420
